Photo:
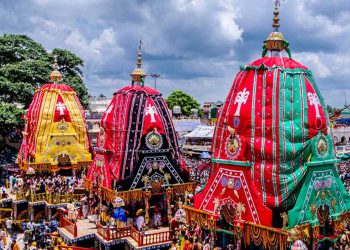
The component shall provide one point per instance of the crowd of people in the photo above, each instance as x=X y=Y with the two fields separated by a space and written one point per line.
x=44 y=183
x=199 y=169
x=35 y=235
x=184 y=237
x=192 y=237
x=344 y=173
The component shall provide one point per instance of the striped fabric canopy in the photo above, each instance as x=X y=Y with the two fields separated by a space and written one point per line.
x=55 y=130
x=273 y=132
x=137 y=139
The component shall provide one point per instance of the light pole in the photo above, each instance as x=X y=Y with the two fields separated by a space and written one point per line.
x=155 y=76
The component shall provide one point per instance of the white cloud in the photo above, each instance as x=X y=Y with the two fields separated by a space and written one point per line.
x=194 y=45
x=315 y=63
x=96 y=50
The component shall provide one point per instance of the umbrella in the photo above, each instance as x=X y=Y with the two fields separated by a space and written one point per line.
x=119 y=202
x=30 y=171
x=299 y=245
x=139 y=212
x=205 y=155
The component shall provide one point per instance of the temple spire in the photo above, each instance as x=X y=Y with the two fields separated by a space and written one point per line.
x=55 y=75
x=138 y=75
x=275 y=43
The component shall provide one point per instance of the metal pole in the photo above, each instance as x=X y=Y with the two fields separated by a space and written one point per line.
x=155 y=76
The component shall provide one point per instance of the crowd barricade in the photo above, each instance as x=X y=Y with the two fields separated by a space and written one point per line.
x=143 y=239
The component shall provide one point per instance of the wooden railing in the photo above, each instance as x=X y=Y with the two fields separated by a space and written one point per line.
x=21 y=196
x=109 y=233
x=38 y=197
x=117 y=233
x=88 y=185
x=135 y=234
x=32 y=197
x=136 y=194
x=52 y=199
x=102 y=231
x=154 y=238
x=112 y=233
x=64 y=198
x=67 y=224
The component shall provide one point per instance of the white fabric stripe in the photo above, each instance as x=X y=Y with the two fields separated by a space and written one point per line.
x=252 y=141
x=263 y=117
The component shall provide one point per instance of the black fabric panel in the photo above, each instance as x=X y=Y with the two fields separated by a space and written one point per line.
x=171 y=133
x=136 y=110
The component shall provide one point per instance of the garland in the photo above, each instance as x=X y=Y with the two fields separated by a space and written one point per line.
x=286 y=70
x=270 y=238
x=229 y=212
x=186 y=187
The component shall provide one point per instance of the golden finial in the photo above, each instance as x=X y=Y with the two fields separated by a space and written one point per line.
x=276 y=19
x=138 y=75
x=276 y=42
x=55 y=75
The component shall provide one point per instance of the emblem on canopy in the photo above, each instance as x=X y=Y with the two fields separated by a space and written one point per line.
x=62 y=126
x=321 y=146
x=101 y=141
x=241 y=98
x=154 y=140
x=233 y=144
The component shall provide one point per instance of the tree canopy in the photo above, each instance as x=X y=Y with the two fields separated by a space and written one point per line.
x=184 y=100
x=25 y=65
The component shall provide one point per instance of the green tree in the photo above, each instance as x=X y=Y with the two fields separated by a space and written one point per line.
x=24 y=66
x=10 y=116
x=185 y=101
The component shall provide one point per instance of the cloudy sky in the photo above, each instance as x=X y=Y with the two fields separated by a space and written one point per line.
x=196 y=46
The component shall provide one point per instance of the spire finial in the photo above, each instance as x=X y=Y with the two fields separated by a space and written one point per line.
x=139 y=56
x=276 y=42
x=55 y=75
x=276 y=19
x=138 y=75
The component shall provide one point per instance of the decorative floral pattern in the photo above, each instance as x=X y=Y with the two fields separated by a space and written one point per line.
x=154 y=140
x=233 y=146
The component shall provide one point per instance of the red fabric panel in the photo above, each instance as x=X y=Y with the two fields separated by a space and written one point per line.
x=152 y=118
x=285 y=62
x=243 y=190
x=60 y=87
x=61 y=111
x=316 y=121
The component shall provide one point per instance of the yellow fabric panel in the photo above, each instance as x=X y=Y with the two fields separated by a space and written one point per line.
x=77 y=119
x=63 y=143
x=46 y=115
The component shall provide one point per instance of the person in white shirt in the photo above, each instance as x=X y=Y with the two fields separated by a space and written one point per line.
x=2 y=244
x=9 y=225
x=30 y=225
x=140 y=221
